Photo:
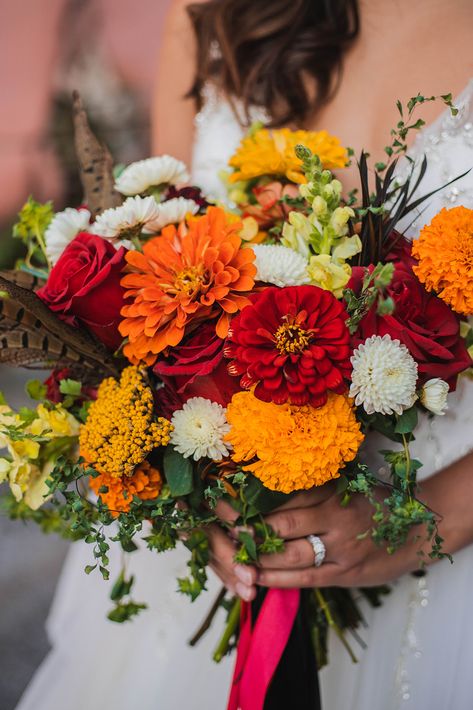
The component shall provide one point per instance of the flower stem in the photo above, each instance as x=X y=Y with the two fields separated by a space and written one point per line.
x=209 y=618
x=230 y=628
x=333 y=624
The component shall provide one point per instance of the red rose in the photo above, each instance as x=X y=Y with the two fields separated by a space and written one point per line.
x=424 y=323
x=196 y=368
x=84 y=287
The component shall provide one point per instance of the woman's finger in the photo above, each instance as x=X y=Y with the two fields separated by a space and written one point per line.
x=297 y=554
x=326 y=575
x=238 y=578
x=306 y=499
x=298 y=522
x=225 y=512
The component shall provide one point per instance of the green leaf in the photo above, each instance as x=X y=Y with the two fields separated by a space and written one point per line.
x=178 y=472
x=261 y=498
x=36 y=390
x=407 y=421
x=249 y=544
x=89 y=568
x=70 y=387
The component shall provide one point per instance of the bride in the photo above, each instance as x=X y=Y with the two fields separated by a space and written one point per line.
x=281 y=63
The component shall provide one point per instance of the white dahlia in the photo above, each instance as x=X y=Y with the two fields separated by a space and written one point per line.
x=384 y=376
x=62 y=229
x=434 y=396
x=128 y=220
x=281 y=266
x=152 y=172
x=199 y=429
x=172 y=212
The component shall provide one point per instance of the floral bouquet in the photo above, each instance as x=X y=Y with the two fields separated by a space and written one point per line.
x=240 y=352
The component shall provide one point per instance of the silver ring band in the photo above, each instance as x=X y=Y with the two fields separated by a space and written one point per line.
x=319 y=549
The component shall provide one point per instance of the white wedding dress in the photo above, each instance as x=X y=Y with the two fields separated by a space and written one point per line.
x=419 y=652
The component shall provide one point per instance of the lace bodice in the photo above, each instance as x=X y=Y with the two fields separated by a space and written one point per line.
x=448 y=145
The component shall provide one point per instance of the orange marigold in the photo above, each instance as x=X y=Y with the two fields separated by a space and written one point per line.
x=272 y=153
x=195 y=272
x=445 y=253
x=295 y=448
x=145 y=482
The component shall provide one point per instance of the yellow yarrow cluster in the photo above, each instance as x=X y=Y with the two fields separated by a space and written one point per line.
x=272 y=152
x=445 y=253
x=295 y=448
x=121 y=429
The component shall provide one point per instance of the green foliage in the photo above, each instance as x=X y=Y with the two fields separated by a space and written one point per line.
x=33 y=220
x=36 y=390
x=374 y=283
x=198 y=544
x=178 y=472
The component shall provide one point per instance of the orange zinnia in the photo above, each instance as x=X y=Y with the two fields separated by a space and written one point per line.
x=189 y=274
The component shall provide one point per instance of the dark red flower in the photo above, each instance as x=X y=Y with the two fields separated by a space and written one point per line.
x=293 y=344
x=84 y=287
x=53 y=391
x=189 y=193
x=196 y=368
x=421 y=321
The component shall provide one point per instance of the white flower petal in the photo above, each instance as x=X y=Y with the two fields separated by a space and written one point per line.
x=434 y=396
x=280 y=265
x=135 y=212
x=384 y=376
x=62 y=229
x=199 y=430
x=171 y=212
x=152 y=172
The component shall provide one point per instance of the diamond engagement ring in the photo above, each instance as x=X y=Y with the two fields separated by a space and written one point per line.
x=319 y=549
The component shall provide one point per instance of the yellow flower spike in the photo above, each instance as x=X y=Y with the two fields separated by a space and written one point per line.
x=121 y=428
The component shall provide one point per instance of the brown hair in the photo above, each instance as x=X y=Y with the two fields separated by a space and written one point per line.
x=283 y=55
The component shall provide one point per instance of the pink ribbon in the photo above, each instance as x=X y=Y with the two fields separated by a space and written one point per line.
x=260 y=649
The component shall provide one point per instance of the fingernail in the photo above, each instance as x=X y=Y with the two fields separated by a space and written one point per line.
x=243 y=591
x=243 y=574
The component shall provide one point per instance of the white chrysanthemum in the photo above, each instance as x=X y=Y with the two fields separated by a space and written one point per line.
x=384 y=376
x=152 y=172
x=172 y=212
x=434 y=396
x=199 y=429
x=129 y=219
x=62 y=229
x=281 y=266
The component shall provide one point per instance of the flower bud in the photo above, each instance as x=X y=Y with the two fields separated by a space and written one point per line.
x=434 y=396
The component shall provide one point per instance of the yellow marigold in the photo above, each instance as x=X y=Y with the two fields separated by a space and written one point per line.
x=445 y=253
x=272 y=152
x=121 y=428
x=295 y=448
x=145 y=482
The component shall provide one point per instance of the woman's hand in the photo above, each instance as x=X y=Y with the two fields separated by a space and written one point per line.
x=350 y=560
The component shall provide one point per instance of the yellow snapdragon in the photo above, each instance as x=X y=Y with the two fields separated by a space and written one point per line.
x=29 y=463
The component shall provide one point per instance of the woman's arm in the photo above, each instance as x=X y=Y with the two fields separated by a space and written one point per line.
x=173 y=114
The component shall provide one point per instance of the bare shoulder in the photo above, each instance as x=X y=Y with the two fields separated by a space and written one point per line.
x=173 y=112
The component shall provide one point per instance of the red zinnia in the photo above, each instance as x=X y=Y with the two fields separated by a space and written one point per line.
x=293 y=344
